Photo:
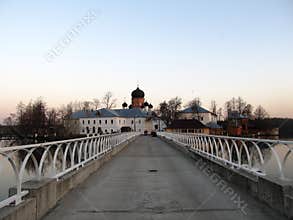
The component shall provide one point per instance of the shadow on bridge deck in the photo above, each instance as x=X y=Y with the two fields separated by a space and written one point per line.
x=152 y=180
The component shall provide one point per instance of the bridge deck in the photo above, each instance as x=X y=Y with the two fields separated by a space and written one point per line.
x=125 y=189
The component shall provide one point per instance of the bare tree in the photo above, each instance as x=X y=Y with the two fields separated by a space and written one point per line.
x=240 y=105
x=236 y=105
x=220 y=114
x=213 y=108
x=228 y=108
x=87 y=105
x=108 y=101
x=65 y=112
x=260 y=113
x=10 y=120
x=174 y=105
x=248 y=111
x=77 y=106
x=96 y=103
x=233 y=104
x=52 y=117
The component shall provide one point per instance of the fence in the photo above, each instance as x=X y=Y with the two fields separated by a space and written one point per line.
x=242 y=153
x=59 y=158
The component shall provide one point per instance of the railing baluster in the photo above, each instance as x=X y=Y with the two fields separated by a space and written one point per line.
x=87 y=149
x=209 y=145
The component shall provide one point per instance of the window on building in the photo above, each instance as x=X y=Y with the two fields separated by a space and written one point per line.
x=139 y=121
x=94 y=129
x=112 y=122
x=131 y=121
x=119 y=121
x=112 y=131
x=88 y=121
x=106 y=122
x=83 y=130
x=82 y=121
x=94 y=121
x=87 y=130
x=100 y=121
x=106 y=131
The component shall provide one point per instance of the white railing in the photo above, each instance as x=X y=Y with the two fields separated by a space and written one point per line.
x=61 y=157
x=243 y=153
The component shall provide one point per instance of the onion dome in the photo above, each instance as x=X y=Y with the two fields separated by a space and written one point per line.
x=137 y=93
x=124 y=105
x=146 y=104
x=150 y=106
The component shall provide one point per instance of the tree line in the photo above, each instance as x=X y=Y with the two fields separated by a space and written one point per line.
x=35 y=119
x=168 y=110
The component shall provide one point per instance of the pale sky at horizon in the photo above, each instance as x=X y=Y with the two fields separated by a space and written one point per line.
x=211 y=49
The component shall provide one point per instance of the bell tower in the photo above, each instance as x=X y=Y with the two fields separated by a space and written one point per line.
x=137 y=98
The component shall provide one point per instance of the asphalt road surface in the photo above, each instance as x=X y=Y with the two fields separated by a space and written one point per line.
x=152 y=180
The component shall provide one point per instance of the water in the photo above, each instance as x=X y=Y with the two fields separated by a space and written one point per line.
x=6 y=173
x=271 y=164
x=7 y=176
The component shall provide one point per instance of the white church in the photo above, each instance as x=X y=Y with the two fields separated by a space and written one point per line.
x=137 y=117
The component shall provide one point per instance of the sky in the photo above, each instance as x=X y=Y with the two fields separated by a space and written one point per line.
x=209 y=49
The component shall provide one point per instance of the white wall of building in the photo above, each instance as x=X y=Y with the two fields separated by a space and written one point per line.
x=204 y=117
x=111 y=125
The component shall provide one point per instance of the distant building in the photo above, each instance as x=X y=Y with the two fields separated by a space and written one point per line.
x=237 y=124
x=198 y=113
x=187 y=126
x=215 y=128
x=138 y=117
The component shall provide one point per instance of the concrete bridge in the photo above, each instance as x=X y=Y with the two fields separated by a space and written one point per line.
x=152 y=180
x=155 y=178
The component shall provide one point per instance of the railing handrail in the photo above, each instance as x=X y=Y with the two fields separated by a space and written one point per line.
x=74 y=153
x=238 y=138
x=230 y=150
x=28 y=146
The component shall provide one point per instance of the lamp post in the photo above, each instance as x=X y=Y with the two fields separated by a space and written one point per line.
x=134 y=124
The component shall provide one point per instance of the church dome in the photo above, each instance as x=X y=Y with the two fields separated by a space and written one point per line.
x=124 y=105
x=137 y=93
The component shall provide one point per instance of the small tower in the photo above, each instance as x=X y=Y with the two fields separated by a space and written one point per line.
x=124 y=105
x=137 y=98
